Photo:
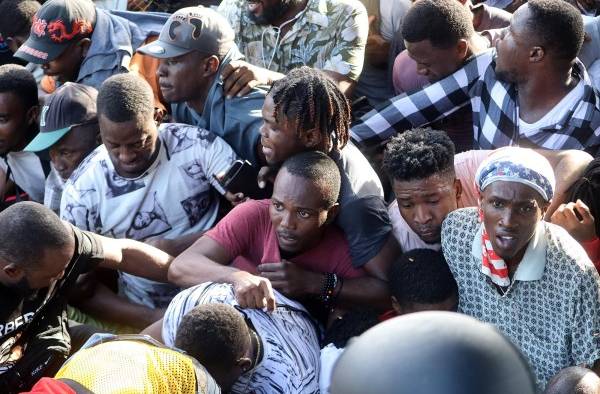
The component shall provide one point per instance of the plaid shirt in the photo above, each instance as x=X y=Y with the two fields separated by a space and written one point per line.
x=495 y=111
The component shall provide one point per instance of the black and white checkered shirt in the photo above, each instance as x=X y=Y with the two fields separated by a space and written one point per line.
x=495 y=111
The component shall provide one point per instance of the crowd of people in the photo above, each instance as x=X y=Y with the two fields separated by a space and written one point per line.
x=300 y=196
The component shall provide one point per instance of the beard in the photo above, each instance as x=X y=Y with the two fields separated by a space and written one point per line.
x=272 y=13
x=22 y=287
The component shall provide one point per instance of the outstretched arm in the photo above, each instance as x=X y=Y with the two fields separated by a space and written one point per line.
x=136 y=258
x=206 y=261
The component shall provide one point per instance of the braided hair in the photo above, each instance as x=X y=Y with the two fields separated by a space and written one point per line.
x=587 y=189
x=310 y=99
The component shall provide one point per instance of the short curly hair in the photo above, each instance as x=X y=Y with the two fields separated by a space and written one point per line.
x=418 y=154
x=19 y=81
x=422 y=276
x=321 y=170
x=16 y=16
x=442 y=22
x=125 y=97
x=558 y=25
x=214 y=334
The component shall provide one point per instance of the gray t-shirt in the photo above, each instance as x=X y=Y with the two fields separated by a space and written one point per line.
x=363 y=215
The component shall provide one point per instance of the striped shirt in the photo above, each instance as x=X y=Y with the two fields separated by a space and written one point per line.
x=495 y=111
x=290 y=362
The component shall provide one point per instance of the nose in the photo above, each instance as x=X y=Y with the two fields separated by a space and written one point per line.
x=126 y=155
x=422 y=215
x=287 y=221
x=507 y=219
x=161 y=71
x=263 y=130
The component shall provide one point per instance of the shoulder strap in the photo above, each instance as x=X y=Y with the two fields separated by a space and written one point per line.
x=45 y=162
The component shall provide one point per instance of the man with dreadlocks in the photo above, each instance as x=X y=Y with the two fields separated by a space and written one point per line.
x=306 y=111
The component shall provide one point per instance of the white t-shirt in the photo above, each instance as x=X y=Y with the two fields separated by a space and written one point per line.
x=290 y=362
x=555 y=115
x=172 y=198
x=27 y=172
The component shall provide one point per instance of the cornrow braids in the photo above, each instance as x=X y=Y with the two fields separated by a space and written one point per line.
x=310 y=99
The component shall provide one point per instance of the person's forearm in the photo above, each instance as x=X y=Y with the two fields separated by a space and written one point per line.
x=175 y=247
x=191 y=269
x=108 y=306
x=136 y=258
x=569 y=166
x=365 y=291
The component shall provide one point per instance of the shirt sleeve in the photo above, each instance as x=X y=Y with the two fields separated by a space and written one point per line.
x=367 y=226
x=347 y=57
x=236 y=231
x=420 y=107
x=89 y=250
x=586 y=319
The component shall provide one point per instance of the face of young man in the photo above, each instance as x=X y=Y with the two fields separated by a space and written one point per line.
x=279 y=138
x=15 y=122
x=131 y=145
x=65 y=67
x=435 y=63
x=49 y=269
x=70 y=150
x=297 y=212
x=181 y=78
x=511 y=212
x=513 y=48
x=425 y=203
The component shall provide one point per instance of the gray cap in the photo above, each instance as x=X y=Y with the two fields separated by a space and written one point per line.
x=192 y=29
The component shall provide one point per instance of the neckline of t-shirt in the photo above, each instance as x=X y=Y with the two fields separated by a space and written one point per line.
x=573 y=95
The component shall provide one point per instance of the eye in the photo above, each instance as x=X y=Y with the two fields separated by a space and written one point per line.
x=277 y=205
x=433 y=202
x=405 y=205
x=527 y=209
x=304 y=214
x=497 y=204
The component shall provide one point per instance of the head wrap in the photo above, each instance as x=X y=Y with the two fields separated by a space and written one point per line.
x=510 y=164
x=521 y=165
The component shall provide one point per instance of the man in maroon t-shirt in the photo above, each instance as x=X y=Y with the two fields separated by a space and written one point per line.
x=288 y=243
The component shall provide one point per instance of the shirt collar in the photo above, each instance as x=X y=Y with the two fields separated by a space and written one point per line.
x=533 y=263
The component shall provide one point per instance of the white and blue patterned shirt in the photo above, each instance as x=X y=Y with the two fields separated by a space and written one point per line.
x=173 y=197
x=291 y=356
x=552 y=311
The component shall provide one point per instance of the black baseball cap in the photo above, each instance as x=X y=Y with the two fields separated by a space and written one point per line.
x=192 y=29
x=70 y=105
x=56 y=25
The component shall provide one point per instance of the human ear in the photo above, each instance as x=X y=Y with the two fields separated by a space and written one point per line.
x=311 y=138
x=245 y=364
x=13 y=271
x=457 y=188
x=462 y=48
x=211 y=66
x=332 y=213
x=84 y=45
x=33 y=115
x=536 y=54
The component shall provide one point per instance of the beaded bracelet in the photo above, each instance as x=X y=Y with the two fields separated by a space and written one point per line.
x=329 y=284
